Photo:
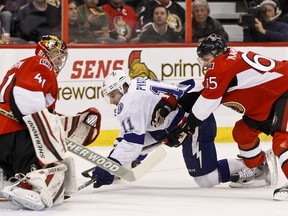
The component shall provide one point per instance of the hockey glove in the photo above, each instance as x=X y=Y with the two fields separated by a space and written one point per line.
x=167 y=104
x=178 y=134
x=103 y=177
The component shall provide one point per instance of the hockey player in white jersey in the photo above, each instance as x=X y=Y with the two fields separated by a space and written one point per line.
x=135 y=101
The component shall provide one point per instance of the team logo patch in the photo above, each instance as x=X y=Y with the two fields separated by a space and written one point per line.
x=120 y=108
x=235 y=106
x=174 y=22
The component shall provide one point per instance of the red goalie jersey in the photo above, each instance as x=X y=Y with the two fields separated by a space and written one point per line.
x=29 y=86
x=236 y=76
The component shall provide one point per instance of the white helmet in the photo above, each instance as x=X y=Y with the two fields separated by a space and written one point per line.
x=115 y=81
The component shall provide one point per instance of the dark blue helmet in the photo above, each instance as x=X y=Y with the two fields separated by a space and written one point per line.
x=214 y=44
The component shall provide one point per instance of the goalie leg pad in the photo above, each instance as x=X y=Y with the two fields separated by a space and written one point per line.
x=70 y=183
x=46 y=189
x=47 y=134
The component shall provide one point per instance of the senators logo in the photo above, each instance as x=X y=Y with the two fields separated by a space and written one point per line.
x=138 y=68
x=174 y=22
x=235 y=106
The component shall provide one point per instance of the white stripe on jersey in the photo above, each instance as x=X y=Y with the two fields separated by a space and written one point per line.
x=28 y=101
x=204 y=107
x=251 y=153
x=250 y=78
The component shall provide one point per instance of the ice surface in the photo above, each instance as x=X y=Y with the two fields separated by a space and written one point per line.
x=166 y=190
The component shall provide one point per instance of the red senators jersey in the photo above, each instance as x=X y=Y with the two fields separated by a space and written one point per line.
x=123 y=20
x=28 y=87
x=246 y=82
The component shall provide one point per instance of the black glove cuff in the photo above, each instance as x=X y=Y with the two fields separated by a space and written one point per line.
x=192 y=121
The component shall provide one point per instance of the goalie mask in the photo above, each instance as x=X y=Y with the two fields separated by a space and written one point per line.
x=53 y=48
x=115 y=81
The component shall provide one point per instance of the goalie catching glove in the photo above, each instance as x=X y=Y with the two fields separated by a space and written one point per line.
x=167 y=104
x=83 y=128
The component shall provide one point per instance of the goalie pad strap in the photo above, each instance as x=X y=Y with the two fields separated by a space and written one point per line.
x=73 y=126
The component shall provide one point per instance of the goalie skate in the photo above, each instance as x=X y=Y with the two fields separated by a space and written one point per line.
x=281 y=193
x=264 y=175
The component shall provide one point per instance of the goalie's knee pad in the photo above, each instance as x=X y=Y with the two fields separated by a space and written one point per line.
x=209 y=180
x=45 y=189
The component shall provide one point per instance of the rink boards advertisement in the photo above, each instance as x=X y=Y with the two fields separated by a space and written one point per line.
x=81 y=79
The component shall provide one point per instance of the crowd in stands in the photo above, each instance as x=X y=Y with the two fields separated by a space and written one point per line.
x=136 y=21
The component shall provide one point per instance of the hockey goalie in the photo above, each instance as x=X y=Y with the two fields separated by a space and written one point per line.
x=32 y=137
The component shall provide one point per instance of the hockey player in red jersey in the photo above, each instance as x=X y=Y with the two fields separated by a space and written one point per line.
x=255 y=86
x=32 y=138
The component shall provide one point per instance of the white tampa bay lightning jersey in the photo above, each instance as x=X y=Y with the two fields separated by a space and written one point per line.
x=134 y=112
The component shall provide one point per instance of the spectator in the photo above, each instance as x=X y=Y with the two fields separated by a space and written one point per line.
x=12 y=6
x=135 y=4
x=102 y=2
x=159 y=31
x=35 y=19
x=266 y=28
x=176 y=17
x=202 y=24
x=73 y=29
x=284 y=10
x=93 y=23
x=5 y=23
x=123 y=22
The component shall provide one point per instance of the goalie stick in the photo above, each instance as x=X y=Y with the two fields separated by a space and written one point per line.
x=105 y=163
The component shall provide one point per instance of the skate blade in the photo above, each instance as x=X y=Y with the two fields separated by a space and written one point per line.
x=281 y=196
x=250 y=184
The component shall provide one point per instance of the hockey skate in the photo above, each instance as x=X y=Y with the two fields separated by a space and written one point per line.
x=264 y=175
x=281 y=193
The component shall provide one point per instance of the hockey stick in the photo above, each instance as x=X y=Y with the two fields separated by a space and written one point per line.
x=84 y=185
x=105 y=163
x=113 y=167
x=86 y=174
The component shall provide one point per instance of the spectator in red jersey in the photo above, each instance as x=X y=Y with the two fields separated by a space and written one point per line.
x=123 y=22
